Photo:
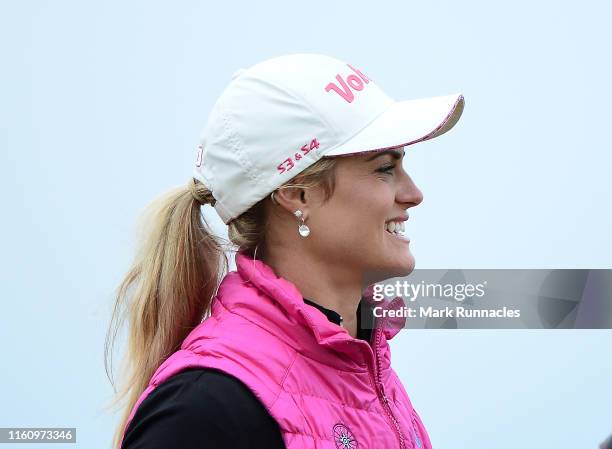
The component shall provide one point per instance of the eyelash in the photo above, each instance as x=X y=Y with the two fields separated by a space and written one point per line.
x=386 y=169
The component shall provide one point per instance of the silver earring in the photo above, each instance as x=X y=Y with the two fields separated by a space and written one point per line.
x=303 y=230
x=272 y=197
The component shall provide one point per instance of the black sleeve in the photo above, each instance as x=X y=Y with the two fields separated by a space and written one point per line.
x=202 y=409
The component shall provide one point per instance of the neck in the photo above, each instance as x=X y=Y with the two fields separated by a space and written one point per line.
x=333 y=286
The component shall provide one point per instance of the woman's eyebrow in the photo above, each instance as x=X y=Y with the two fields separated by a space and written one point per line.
x=396 y=154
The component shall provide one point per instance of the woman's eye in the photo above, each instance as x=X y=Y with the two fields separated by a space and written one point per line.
x=386 y=169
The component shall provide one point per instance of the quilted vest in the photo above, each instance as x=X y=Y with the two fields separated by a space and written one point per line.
x=326 y=389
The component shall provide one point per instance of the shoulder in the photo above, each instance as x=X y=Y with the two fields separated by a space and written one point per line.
x=202 y=408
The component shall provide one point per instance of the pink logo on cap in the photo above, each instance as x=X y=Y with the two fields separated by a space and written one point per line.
x=288 y=163
x=352 y=82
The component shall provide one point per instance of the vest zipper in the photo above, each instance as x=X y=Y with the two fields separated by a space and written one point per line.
x=380 y=387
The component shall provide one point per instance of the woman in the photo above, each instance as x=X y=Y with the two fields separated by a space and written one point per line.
x=302 y=159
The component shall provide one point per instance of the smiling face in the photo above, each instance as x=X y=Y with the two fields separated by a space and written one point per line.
x=371 y=190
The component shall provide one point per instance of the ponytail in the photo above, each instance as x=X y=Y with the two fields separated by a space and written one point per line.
x=167 y=291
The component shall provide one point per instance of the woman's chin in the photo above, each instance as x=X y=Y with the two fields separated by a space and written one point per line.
x=397 y=254
x=403 y=264
x=407 y=267
x=392 y=268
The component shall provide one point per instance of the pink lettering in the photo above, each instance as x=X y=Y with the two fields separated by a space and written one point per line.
x=347 y=93
x=355 y=82
x=358 y=72
x=345 y=90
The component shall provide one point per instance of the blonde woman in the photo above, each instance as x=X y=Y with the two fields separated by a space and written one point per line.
x=302 y=159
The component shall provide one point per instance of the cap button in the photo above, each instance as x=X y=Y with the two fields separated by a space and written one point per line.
x=237 y=73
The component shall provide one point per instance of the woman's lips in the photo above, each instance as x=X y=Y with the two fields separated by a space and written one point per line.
x=400 y=237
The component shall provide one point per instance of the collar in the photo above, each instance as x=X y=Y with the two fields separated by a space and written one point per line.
x=334 y=317
x=256 y=293
x=288 y=297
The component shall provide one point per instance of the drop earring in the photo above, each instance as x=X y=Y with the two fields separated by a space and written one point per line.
x=303 y=230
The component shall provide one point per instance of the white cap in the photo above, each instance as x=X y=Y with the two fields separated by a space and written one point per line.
x=282 y=115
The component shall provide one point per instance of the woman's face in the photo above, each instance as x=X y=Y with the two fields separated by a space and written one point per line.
x=371 y=190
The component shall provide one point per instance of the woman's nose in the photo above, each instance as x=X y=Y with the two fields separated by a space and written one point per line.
x=410 y=193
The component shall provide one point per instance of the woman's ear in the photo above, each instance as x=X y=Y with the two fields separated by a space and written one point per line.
x=290 y=198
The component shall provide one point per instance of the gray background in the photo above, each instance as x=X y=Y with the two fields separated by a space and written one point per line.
x=101 y=106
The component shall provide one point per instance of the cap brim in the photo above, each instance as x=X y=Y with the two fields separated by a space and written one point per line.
x=405 y=123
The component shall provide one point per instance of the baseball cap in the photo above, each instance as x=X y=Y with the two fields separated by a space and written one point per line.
x=278 y=117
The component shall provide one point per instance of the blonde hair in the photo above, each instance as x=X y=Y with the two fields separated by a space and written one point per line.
x=175 y=274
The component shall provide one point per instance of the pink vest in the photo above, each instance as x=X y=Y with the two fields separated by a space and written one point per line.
x=325 y=389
